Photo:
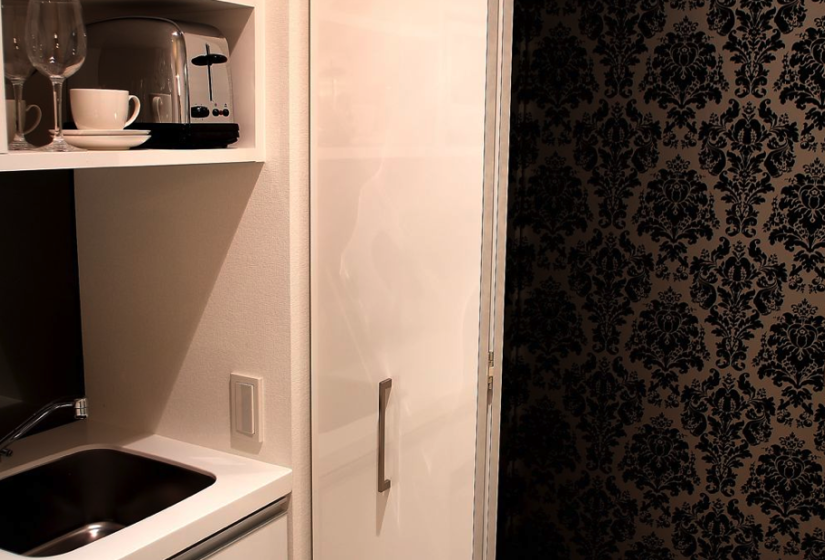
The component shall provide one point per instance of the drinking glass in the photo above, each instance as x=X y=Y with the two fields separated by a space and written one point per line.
x=16 y=64
x=56 y=45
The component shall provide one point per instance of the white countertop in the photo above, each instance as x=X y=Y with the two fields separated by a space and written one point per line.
x=242 y=486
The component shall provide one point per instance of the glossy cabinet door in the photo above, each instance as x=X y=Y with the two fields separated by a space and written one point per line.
x=397 y=136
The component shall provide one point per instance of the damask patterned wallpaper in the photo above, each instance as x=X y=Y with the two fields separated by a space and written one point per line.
x=664 y=365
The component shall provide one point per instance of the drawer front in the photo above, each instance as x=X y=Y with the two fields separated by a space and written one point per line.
x=267 y=543
x=260 y=536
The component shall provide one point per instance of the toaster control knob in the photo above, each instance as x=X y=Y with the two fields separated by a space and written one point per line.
x=225 y=112
x=216 y=112
x=200 y=112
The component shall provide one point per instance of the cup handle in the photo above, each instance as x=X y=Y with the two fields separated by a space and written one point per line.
x=36 y=121
x=157 y=105
x=136 y=111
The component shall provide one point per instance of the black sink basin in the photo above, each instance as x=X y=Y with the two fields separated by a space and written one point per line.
x=66 y=504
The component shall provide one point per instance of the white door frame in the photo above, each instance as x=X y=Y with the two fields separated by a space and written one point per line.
x=496 y=169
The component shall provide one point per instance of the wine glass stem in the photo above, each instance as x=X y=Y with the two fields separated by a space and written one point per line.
x=57 y=87
x=20 y=116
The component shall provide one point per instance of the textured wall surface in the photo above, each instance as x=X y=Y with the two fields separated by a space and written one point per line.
x=190 y=273
x=665 y=322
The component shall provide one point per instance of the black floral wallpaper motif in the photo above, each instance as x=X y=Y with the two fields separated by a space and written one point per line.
x=683 y=75
x=664 y=368
x=798 y=223
x=676 y=210
x=747 y=149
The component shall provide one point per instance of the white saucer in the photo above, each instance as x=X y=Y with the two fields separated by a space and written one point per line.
x=128 y=132
x=106 y=142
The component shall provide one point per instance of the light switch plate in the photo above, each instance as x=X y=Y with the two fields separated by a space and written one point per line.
x=246 y=406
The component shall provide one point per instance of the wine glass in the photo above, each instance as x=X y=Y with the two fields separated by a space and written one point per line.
x=56 y=45
x=16 y=64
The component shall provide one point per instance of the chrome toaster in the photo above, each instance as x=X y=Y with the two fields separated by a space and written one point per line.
x=180 y=72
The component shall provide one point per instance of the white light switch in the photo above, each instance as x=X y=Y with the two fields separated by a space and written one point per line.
x=246 y=404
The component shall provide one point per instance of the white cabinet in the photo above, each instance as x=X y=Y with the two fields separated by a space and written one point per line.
x=398 y=93
x=242 y=22
x=266 y=543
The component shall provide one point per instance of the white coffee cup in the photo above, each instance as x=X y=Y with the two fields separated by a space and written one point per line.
x=11 y=124
x=103 y=109
x=162 y=107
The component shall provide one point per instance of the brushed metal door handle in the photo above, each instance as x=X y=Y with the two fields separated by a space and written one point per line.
x=384 y=388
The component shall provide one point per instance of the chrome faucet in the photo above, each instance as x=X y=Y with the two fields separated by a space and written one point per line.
x=80 y=413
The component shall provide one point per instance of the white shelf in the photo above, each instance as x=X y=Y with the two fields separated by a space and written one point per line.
x=37 y=161
x=242 y=22
x=172 y=4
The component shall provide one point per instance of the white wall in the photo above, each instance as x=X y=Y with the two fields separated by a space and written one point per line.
x=190 y=273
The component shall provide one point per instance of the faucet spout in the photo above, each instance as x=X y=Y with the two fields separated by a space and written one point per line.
x=81 y=412
x=81 y=409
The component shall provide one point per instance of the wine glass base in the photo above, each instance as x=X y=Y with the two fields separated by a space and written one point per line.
x=20 y=146
x=59 y=145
